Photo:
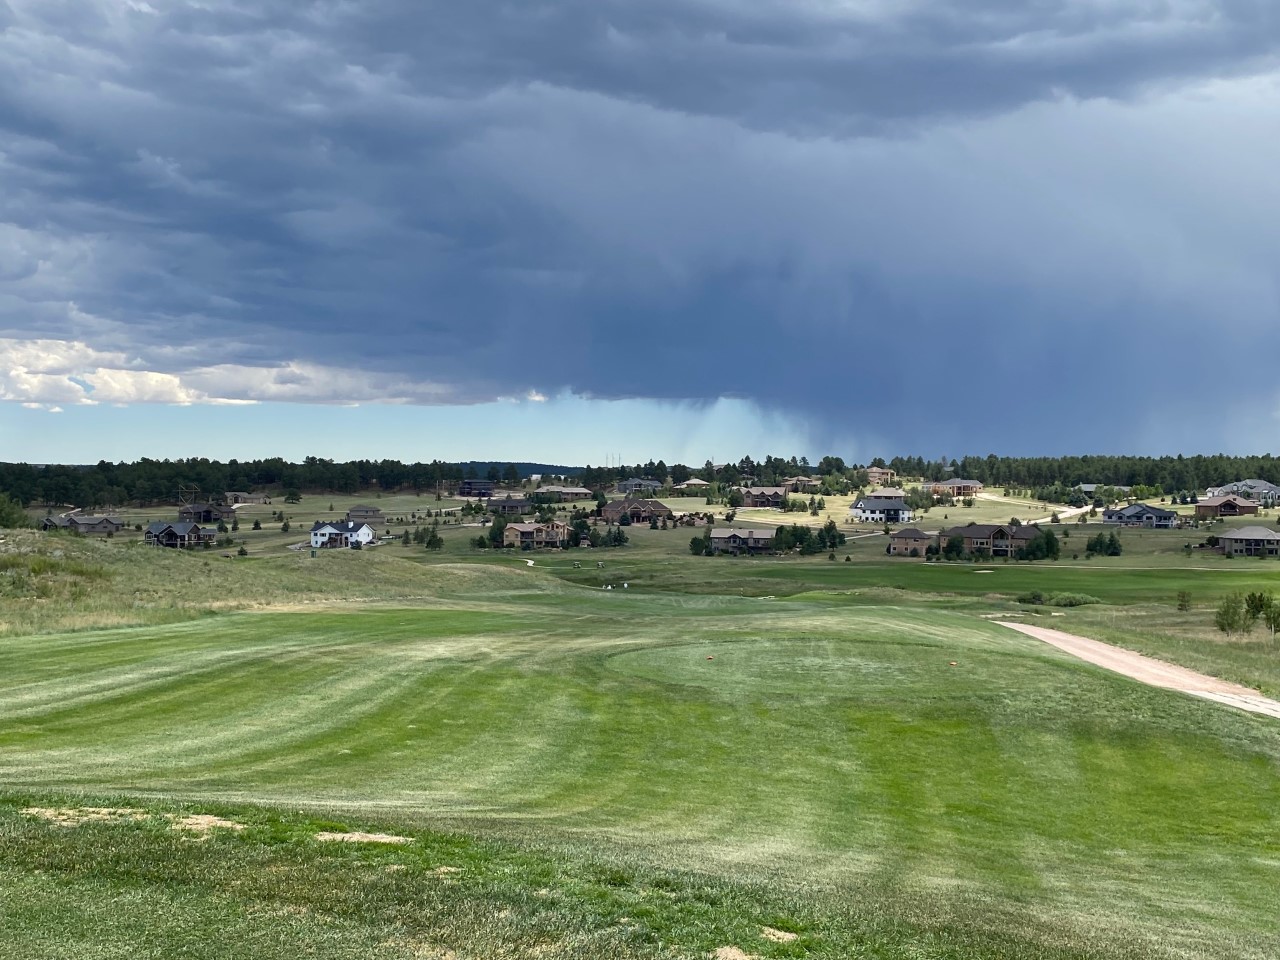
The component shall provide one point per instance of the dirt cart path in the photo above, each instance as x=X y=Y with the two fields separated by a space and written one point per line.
x=1157 y=673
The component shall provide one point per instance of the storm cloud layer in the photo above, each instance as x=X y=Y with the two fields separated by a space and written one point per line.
x=937 y=221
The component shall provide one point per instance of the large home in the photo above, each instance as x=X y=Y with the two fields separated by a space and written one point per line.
x=1141 y=515
x=802 y=484
x=636 y=509
x=909 y=542
x=996 y=540
x=341 y=533
x=740 y=541
x=363 y=513
x=956 y=489
x=695 y=485
x=83 y=524
x=182 y=535
x=509 y=506
x=560 y=494
x=476 y=488
x=205 y=513
x=637 y=485
x=775 y=497
x=1228 y=506
x=242 y=496
x=535 y=536
x=878 y=476
x=886 y=493
x=1265 y=493
x=876 y=510
x=1250 y=542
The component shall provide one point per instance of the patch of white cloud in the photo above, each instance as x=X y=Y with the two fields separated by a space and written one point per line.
x=40 y=374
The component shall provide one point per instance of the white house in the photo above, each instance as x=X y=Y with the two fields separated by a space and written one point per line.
x=878 y=510
x=341 y=533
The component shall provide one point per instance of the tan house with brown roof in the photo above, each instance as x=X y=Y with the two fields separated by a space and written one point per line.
x=1228 y=506
x=903 y=542
x=956 y=489
x=535 y=536
x=996 y=540
x=877 y=476
x=637 y=509
x=740 y=541
x=764 y=496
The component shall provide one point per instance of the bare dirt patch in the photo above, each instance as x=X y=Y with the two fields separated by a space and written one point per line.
x=779 y=936
x=731 y=953
x=202 y=823
x=198 y=823
x=357 y=837
x=1153 y=672
x=74 y=816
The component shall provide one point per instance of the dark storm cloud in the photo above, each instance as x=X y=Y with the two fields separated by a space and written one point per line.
x=841 y=208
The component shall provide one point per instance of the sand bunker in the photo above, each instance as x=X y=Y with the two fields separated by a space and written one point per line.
x=357 y=837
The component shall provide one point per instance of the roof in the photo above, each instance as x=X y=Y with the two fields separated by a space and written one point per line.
x=765 y=491
x=640 y=482
x=1141 y=508
x=1092 y=487
x=556 y=488
x=959 y=483
x=626 y=506
x=339 y=526
x=693 y=482
x=984 y=531
x=1250 y=533
x=534 y=527
x=749 y=534
x=887 y=493
x=879 y=505
x=1229 y=498
x=182 y=527
x=909 y=533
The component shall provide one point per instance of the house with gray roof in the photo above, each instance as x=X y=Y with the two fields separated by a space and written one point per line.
x=1264 y=492
x=888 y=510
x=1141 y=515
x=181 y=535
x=84 y=524
x=1250 y=542
x=328 y=534
x=638 y=485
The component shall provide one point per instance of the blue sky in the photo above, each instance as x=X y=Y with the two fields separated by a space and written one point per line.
x=571 y=229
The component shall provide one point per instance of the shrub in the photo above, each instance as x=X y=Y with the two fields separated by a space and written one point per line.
x=1072 y=600
x=1231 y=616
x=1184 y=600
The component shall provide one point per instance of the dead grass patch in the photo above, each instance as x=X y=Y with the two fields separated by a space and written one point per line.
x=778 y=936
x=358 y=837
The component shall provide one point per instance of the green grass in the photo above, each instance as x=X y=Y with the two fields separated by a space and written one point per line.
x=649 y=772
x=828 y=767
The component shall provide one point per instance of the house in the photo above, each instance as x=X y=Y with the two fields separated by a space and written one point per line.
x=182 y=535
x=1250 y=542
x=363 y=513
x=559 y=494
x=638 y=510
x=878 y=476
x=476 y=488
x=909 y=542
x=83 y=524
x=740 y=541
x=509 y=506
x=775 y=497
x=205 y=513
x=996 y=540
x=694 y=485
x=1265 y=493
x=341 y=533
x=802 y=484
x=1091 y=489
x=956 y=489
x=869 y=510
x=886 y=493
x=535 y=536
x=1228 y=506
x=637 y=485
x=1141 y=515
x=241 y=496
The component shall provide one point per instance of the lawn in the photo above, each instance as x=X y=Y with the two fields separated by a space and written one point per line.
x=659 y=770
